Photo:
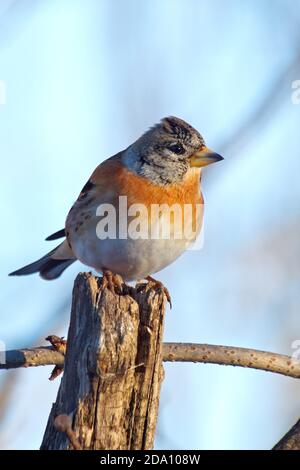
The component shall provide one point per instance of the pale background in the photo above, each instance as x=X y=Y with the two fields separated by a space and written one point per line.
x=83 y=79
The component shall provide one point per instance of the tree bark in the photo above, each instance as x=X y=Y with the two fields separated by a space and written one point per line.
x=291 y=440
x=113 y=368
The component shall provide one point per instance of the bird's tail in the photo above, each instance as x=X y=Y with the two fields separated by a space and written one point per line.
x=51 y=265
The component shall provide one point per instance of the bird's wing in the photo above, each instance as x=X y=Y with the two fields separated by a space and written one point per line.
x=60 y=234
x=112 y=179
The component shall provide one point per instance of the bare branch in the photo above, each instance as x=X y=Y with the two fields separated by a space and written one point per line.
x=175 y=352
x=232 y=356
x=63 y=423
x=291 y=440
x=41 y=356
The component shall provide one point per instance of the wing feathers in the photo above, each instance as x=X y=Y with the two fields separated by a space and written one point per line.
x=60 y=234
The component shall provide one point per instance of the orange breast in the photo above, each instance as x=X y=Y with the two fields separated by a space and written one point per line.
x=113 y=179
x=113 y=175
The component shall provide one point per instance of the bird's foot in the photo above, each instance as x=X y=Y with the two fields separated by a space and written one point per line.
x=113 y=282
x=60 y=345
x=155 y=284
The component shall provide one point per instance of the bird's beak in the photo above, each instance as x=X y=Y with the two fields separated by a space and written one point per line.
x=204 y=157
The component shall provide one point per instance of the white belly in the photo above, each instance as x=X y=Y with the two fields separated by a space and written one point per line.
x=132 y=258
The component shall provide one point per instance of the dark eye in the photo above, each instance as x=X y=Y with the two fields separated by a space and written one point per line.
x=177 y=148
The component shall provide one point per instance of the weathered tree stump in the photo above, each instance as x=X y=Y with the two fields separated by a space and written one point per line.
x=113 y=368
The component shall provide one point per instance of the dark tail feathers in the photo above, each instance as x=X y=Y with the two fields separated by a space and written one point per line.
x=48 y=267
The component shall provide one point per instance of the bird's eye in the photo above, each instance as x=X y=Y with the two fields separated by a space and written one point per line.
x=177 y=148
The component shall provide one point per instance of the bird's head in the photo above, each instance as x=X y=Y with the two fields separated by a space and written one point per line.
x=167 y=150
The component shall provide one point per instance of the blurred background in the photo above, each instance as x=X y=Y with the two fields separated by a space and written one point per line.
x=79 y=81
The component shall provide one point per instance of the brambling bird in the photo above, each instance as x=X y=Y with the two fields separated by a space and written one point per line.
x=163 y=167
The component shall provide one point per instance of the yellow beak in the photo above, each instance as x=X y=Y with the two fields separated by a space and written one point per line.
x=204 y=157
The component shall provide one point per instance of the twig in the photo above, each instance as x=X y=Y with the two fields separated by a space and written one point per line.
x=59 y=345
x=291 y=440
x=63 y=423
x=175 y=352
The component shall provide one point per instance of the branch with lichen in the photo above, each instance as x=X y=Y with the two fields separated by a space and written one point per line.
x=172 y=352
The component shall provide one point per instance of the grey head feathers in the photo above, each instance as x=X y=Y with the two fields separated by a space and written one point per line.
x=161 y=154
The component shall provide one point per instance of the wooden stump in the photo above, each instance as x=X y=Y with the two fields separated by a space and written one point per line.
x=113 y=368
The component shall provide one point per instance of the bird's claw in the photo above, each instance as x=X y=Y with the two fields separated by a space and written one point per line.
x=155 y=284
x=113 y=282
